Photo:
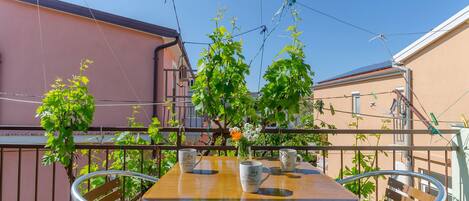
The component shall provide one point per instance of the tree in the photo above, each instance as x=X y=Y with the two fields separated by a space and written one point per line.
x=66 y=108
x=220 y=90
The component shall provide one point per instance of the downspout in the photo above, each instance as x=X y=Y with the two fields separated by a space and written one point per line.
x=409 y=138
x=155 y=71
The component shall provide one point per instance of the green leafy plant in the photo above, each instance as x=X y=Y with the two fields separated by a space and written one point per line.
x=169 y=158
x=135 y=160
x=288 y=82
x=220 y=90
x=363 y=162
x=93 y=166
x=66 y=108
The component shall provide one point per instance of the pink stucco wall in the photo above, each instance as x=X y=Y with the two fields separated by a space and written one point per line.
x=123 y=73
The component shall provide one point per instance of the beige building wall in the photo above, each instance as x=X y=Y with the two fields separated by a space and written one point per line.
x=440 y=81
x=378 y=104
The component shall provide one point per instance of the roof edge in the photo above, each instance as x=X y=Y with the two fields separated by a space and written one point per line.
x=105 y=17
x=113 y=19
x=454 y=21
x=386 y=72
x=359 y=71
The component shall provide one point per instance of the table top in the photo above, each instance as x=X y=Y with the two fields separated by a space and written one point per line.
x=217 y=178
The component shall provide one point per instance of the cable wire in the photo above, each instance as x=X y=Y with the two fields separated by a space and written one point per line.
x=349 y=96
x=177 y=18
x=41 y=40
x=413 y=33
x=169 y=102
x=234 y=36
x=338 y=19
x=249 y=31
x=454 y=103
x=262 y=53
x=113 y=53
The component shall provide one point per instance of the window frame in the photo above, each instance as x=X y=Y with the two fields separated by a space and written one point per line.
x=356 y=103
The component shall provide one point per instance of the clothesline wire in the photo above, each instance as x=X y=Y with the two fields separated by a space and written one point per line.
x=113 y=53
x=453 y=103
x=99 y=105
x=417 y=98
x=349 y=96
x=383 y=117
x=41 y=41
x=165 y=103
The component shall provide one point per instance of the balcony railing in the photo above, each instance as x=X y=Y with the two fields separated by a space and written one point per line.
x=23 y=177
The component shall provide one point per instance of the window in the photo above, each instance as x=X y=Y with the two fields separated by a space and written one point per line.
x=355 y=103
x=398 y=110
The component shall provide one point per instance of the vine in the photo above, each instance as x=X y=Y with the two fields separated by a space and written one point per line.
x=363 y=162
x=135 y=160
x=66 y=108
x=220 y=91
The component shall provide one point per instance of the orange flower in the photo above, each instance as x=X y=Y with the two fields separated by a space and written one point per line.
x=236 y=135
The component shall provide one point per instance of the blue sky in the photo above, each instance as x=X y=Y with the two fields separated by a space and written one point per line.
x=331 y=47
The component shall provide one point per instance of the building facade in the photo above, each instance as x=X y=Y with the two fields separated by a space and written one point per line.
x=435 y=83
x=134 y=61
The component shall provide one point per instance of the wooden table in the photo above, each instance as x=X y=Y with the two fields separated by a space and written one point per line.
x=217 y=178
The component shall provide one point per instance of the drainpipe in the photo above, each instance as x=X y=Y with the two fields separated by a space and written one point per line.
x=409 y=138
x=155 y=71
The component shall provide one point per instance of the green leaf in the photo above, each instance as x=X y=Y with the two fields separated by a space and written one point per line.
x=67 y=107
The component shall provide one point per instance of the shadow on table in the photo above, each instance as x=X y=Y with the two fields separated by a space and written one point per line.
x=204 y=172
x=275 y=192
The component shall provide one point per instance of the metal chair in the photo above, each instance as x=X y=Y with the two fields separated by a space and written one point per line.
x=400 y=191
x=108 y=191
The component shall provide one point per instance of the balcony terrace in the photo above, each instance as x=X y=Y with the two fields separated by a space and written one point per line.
x=23 y=177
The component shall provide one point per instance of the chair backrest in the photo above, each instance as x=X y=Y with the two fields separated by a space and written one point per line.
x=398 y=191
x=411 y=192
x=109 y=191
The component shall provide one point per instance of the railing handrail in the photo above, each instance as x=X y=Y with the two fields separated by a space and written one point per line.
x=259 y=148
x=267 y=130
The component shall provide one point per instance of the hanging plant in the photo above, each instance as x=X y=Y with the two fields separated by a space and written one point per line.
x=66 y=108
